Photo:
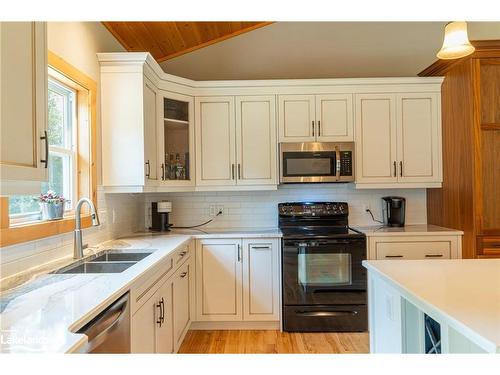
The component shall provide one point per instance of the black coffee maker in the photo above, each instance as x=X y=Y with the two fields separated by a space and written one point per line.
x=393 y=210
x=159 y=216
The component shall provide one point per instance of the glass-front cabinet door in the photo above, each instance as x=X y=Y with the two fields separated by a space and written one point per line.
x=176 y=139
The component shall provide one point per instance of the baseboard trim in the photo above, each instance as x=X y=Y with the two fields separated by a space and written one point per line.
x=273 y=325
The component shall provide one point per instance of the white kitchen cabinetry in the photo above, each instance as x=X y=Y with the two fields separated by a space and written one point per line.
x=151 y=325
x=176 y=139
x=316 y=118
x=128 y=120
x=237 y=280
x=182 y=299
x=398 y=140
x=260 y=280
x=215 y=137
x=415 y=247
x=236 y=144
x=218 y=280
x=23 y=97
x=162 y=304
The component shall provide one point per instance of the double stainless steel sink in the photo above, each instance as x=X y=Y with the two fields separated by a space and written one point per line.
x=107 y=261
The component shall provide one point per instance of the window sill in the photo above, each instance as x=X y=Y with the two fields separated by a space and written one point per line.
x=37 y=230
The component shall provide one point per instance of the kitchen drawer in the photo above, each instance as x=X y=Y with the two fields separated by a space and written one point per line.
x=413 y=250
x=181 y=254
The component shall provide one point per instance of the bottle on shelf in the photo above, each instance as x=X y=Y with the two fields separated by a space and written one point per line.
x=172 y=168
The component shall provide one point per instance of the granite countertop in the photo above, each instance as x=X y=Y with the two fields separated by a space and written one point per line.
x=39 y=311
x=464 y=293
x=408 y=230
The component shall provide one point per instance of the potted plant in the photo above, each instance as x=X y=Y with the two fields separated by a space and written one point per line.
x=52 y=205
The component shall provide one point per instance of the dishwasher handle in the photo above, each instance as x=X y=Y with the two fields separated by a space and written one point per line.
x=99 y=328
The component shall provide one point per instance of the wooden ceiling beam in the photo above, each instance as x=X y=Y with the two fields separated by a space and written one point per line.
x=166 y=40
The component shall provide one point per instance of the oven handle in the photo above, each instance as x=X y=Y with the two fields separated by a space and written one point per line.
x=326 y=313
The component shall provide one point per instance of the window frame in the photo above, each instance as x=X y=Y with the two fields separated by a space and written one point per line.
x=85 y=160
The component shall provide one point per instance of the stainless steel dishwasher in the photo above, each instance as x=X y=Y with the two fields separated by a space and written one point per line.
x=109 y=332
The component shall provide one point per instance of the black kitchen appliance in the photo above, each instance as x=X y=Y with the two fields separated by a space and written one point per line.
x=159 y=216
x=393 y=210
x=323 y=281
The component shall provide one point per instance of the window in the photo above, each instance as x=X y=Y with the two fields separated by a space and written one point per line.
x=62 y=154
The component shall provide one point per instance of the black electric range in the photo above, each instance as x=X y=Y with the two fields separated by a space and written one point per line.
x=323 y=281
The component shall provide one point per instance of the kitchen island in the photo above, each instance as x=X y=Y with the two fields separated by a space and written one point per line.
x=443 y=306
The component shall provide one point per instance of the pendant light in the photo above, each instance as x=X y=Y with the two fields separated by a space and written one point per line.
x=456 y=42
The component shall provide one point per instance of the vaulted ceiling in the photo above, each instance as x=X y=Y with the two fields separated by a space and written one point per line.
x=165 y=40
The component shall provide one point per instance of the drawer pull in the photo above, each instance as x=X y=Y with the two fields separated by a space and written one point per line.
x=433 y=255
x=183 y=275
x=393 y=256
x=183 y=253
x=261 y=247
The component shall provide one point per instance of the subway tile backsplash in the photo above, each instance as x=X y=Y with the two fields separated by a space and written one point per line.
x=259 y=208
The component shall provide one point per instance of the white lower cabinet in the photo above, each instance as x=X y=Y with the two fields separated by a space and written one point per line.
x=237 y=280
x=181 y=299
x=415 y=247
x=159 y=324
x=151 y=326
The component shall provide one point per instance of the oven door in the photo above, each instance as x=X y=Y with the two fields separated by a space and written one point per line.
x=324 y=271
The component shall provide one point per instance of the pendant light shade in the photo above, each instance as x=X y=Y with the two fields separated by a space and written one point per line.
x=456 y=42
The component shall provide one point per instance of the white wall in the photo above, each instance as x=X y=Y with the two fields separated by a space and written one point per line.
x=78 y=43
x=259 y=208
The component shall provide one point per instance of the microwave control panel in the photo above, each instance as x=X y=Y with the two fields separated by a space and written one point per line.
x=346 y=163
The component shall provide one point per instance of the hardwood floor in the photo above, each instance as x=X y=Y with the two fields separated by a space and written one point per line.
x=240 y=342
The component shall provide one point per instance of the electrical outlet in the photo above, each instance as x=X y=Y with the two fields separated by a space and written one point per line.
x=212 y=210
x=220 y=208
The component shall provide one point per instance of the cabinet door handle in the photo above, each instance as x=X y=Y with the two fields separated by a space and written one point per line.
x=393 y=256
x=162 y=171
x=148 y=173
x=232 y=171
x=313 y=128
x=239 y=253
x=45 y=138
x=159 y=321
x=401 y=168
x=183 y=275
x=261 y=247
x=395 y=169
x=433 y=255
x=162 y=302
x=239 y=171
x=183 y=253
x=319 y=128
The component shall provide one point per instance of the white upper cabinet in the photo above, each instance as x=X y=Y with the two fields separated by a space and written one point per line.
x=296 y=118
x=128 y=127
x=316 y=118
x=256 y=140
x=398 y=141
x=419 y=137
x=334 y=116
x=236 y=144
x=215 y=138
x=376 y=138
x=23 y=97
x=176 y=139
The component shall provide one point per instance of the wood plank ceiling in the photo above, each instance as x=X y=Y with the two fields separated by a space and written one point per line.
x=166 y=40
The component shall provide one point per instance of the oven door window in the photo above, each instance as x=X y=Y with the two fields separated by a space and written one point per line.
x=303 y=164
x=323 y=269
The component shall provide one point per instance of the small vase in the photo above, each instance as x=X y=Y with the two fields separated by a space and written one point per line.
x=52 y=211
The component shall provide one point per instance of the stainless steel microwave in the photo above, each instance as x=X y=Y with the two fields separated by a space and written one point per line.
x=313 y=162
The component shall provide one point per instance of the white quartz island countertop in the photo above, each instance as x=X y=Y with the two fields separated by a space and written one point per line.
x=464 y=294
x=42 y=314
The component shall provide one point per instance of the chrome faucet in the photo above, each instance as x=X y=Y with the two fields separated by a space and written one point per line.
x=78 y=246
